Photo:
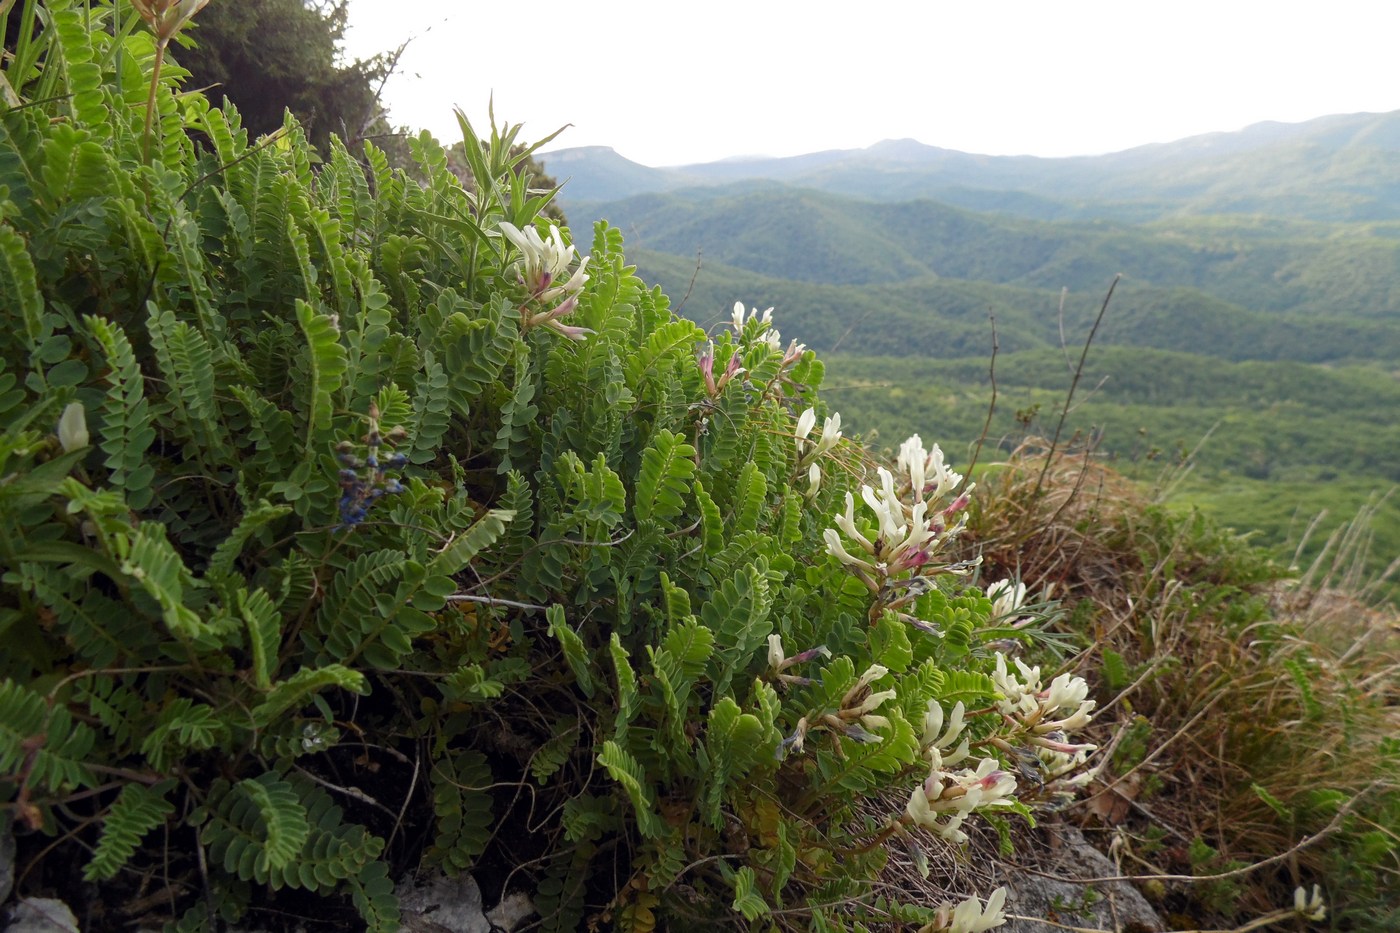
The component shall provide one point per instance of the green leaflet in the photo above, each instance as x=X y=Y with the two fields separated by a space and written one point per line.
x=749 y=497
x=59 y=762
x=153 y=565
x=18 y=285
x=187 y=364
x=431 y=411
x=626 y=685
x=738 y=615
x=253 y=521
x=735 y=741
x=264 y=633
x=669 y=344
x=518 y=413
x=182 y=727
x=747 y=900
x=258 y=828
x=462 y=802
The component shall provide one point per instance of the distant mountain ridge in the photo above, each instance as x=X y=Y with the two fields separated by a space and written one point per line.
x=1340 y=167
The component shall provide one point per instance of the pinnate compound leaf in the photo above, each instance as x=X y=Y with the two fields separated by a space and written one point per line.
x=667 y=468
x=747 y=900
x=626 y=771
x=469 y=543
x=137 y=810
x=327 y=361
x=575 y=653
x=296 y=690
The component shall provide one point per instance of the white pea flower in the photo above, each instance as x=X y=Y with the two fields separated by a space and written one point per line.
x=814 y=481
x=1007 y=599
x=953 y=796
x=933 y=725
x=971 y=917
x=1018 y=695
x=836 y=549
x=544 y=262
x=738 y=316
x=831 y=434
x=847 y=523
x=72 y=427
x=805 y=423
x=543 y=268
x=911 y=461
x=887 y=507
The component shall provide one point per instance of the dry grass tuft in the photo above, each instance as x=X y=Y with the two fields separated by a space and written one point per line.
x=1272 y=706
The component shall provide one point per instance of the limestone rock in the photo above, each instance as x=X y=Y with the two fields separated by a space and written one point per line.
x=1113 y=905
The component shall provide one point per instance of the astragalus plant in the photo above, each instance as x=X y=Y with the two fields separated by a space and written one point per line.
x=353 y=525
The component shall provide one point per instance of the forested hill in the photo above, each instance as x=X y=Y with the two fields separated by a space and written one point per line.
x=1342 y=167
x=1350 y=270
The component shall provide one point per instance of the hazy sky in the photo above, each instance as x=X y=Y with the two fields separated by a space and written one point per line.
x=669 y=83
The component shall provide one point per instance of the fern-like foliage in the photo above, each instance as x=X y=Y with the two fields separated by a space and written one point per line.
x=137 y=810
x=41 y=747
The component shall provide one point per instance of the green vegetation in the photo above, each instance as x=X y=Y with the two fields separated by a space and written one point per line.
x=340 y=510
x=351 y=525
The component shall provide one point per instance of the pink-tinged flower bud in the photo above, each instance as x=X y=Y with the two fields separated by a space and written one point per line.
x=706 y=359
x=732 y=369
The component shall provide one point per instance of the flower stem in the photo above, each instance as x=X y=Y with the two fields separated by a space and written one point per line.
x=151 y=102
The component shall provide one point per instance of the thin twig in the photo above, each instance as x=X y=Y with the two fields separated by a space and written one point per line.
x=991 y=406
x=352 y=792
x=1074 y=384
x=699 y=261
x=1303 y=843
x=493 y=601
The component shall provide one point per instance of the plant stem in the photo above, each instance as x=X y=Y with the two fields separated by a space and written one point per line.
x=151 y=102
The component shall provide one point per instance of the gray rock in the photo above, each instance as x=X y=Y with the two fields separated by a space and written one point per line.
x=440 y=904
x=512 y=911
x=38 y=915
x=1112 y=905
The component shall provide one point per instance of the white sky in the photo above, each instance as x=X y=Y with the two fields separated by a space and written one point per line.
x=666 y=83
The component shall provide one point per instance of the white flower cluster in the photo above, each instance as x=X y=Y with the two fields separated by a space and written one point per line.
x=543 y=268
x=1309 y=908
x=946 y=798
x=856 y=718
x=1046 y=715
x=763 y=331
x=911 y=522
